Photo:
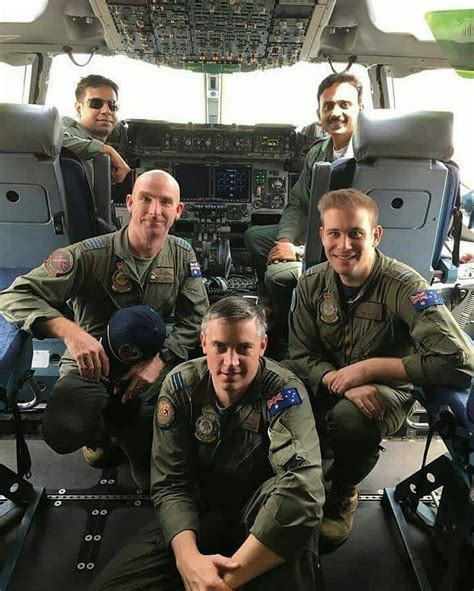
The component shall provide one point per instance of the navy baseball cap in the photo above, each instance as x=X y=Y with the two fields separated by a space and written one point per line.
x=133 y=334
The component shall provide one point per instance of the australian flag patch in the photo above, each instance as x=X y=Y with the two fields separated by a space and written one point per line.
x=194 y=270
x=284 y=399
x=425 y=299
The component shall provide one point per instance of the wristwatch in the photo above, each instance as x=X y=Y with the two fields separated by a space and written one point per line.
x=167 y=356
x=299 y=251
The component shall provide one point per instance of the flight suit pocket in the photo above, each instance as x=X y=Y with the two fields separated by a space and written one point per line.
x=282 y=448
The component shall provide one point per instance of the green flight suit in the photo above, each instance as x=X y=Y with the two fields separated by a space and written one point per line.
x=96 y=277
x=279 y=279
x=224 y=473
x=382 y=321
x=84 y=145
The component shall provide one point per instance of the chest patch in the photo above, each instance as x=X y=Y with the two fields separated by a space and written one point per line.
x=121 y=283
x=284 y=399
x=165 y=413
x=60 y=262
x=162 y=275
x=369 y=310
x=426 y=299
x=206 y=429
x=328 y=310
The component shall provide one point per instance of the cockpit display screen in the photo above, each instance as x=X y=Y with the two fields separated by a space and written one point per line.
x=194 y=181
x=232 y=183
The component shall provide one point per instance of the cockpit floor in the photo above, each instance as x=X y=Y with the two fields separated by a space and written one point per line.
x=88 y=514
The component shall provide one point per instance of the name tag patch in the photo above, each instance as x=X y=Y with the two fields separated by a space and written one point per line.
x=162 y=275
x=426 y=298
x=284 y=399
x=369 y=310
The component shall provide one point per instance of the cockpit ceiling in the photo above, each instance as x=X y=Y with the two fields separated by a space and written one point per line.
x=217 y=35
x=211 y=35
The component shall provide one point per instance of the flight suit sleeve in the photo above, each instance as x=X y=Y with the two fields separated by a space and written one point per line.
x=294 y=217
x=82 y=147
x=38 y=294
x=172 y=474
x=191 y=304
x=306 y=349
x=444 y=357
x=293 y=508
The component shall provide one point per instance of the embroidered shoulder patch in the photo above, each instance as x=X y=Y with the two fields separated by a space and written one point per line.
x=60 y=262
x=426 y=298
x=283 y=399
x=93 y=243
x=183 y=243
x=195 y=270
x=165 y=412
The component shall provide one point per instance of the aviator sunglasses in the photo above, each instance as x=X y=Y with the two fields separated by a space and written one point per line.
x=97 y=103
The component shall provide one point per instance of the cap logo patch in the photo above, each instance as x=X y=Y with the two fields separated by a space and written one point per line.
x=59 y=262
x=129 y=353
x=164 y=412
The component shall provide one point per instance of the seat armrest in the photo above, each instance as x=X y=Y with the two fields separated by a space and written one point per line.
x=16 y=353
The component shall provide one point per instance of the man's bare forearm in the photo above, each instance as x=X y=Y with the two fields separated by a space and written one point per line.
x=254 y=559
x=386 y=368
x=59 y=328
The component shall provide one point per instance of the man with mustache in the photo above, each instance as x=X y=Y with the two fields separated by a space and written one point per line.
x=364 y=329
x=278 y=250
x=97 y=111
x=139 y=264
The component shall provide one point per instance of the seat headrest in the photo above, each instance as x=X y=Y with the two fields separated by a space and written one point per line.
x=30 y=129
x=389 y=133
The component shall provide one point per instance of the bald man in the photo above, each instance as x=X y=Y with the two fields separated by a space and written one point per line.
x=140 y=264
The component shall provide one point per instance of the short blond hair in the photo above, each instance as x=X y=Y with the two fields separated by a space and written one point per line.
x=348 y=199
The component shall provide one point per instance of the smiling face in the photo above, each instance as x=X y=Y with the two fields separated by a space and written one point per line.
x=349 y=237
x=154 y=205
x=233 y=352
x=99 y=122
x=338 y=110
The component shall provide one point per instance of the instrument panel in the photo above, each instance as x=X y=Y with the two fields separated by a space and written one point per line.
x=226 y=173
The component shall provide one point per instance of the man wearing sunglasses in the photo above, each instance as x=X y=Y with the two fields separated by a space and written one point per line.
x=97 y=109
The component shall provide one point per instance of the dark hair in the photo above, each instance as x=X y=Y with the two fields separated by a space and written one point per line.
x=340 y=78
x=94 y=81
x=235 y=309
x=348 y=199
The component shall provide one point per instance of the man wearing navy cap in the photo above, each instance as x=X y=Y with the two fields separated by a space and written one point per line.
x=140 y=264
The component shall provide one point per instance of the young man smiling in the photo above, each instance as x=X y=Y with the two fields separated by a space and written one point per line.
x=364 y=329
x=278 y=250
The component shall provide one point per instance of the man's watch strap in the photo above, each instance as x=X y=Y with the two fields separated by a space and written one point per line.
x=167 y=356
x=299 y=252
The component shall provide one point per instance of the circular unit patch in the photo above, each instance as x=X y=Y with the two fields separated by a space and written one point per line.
x=207 y=429
x=59 y=262
x=165 y=412
x=129 y=353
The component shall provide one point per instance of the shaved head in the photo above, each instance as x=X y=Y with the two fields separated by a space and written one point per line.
x=153 y=177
